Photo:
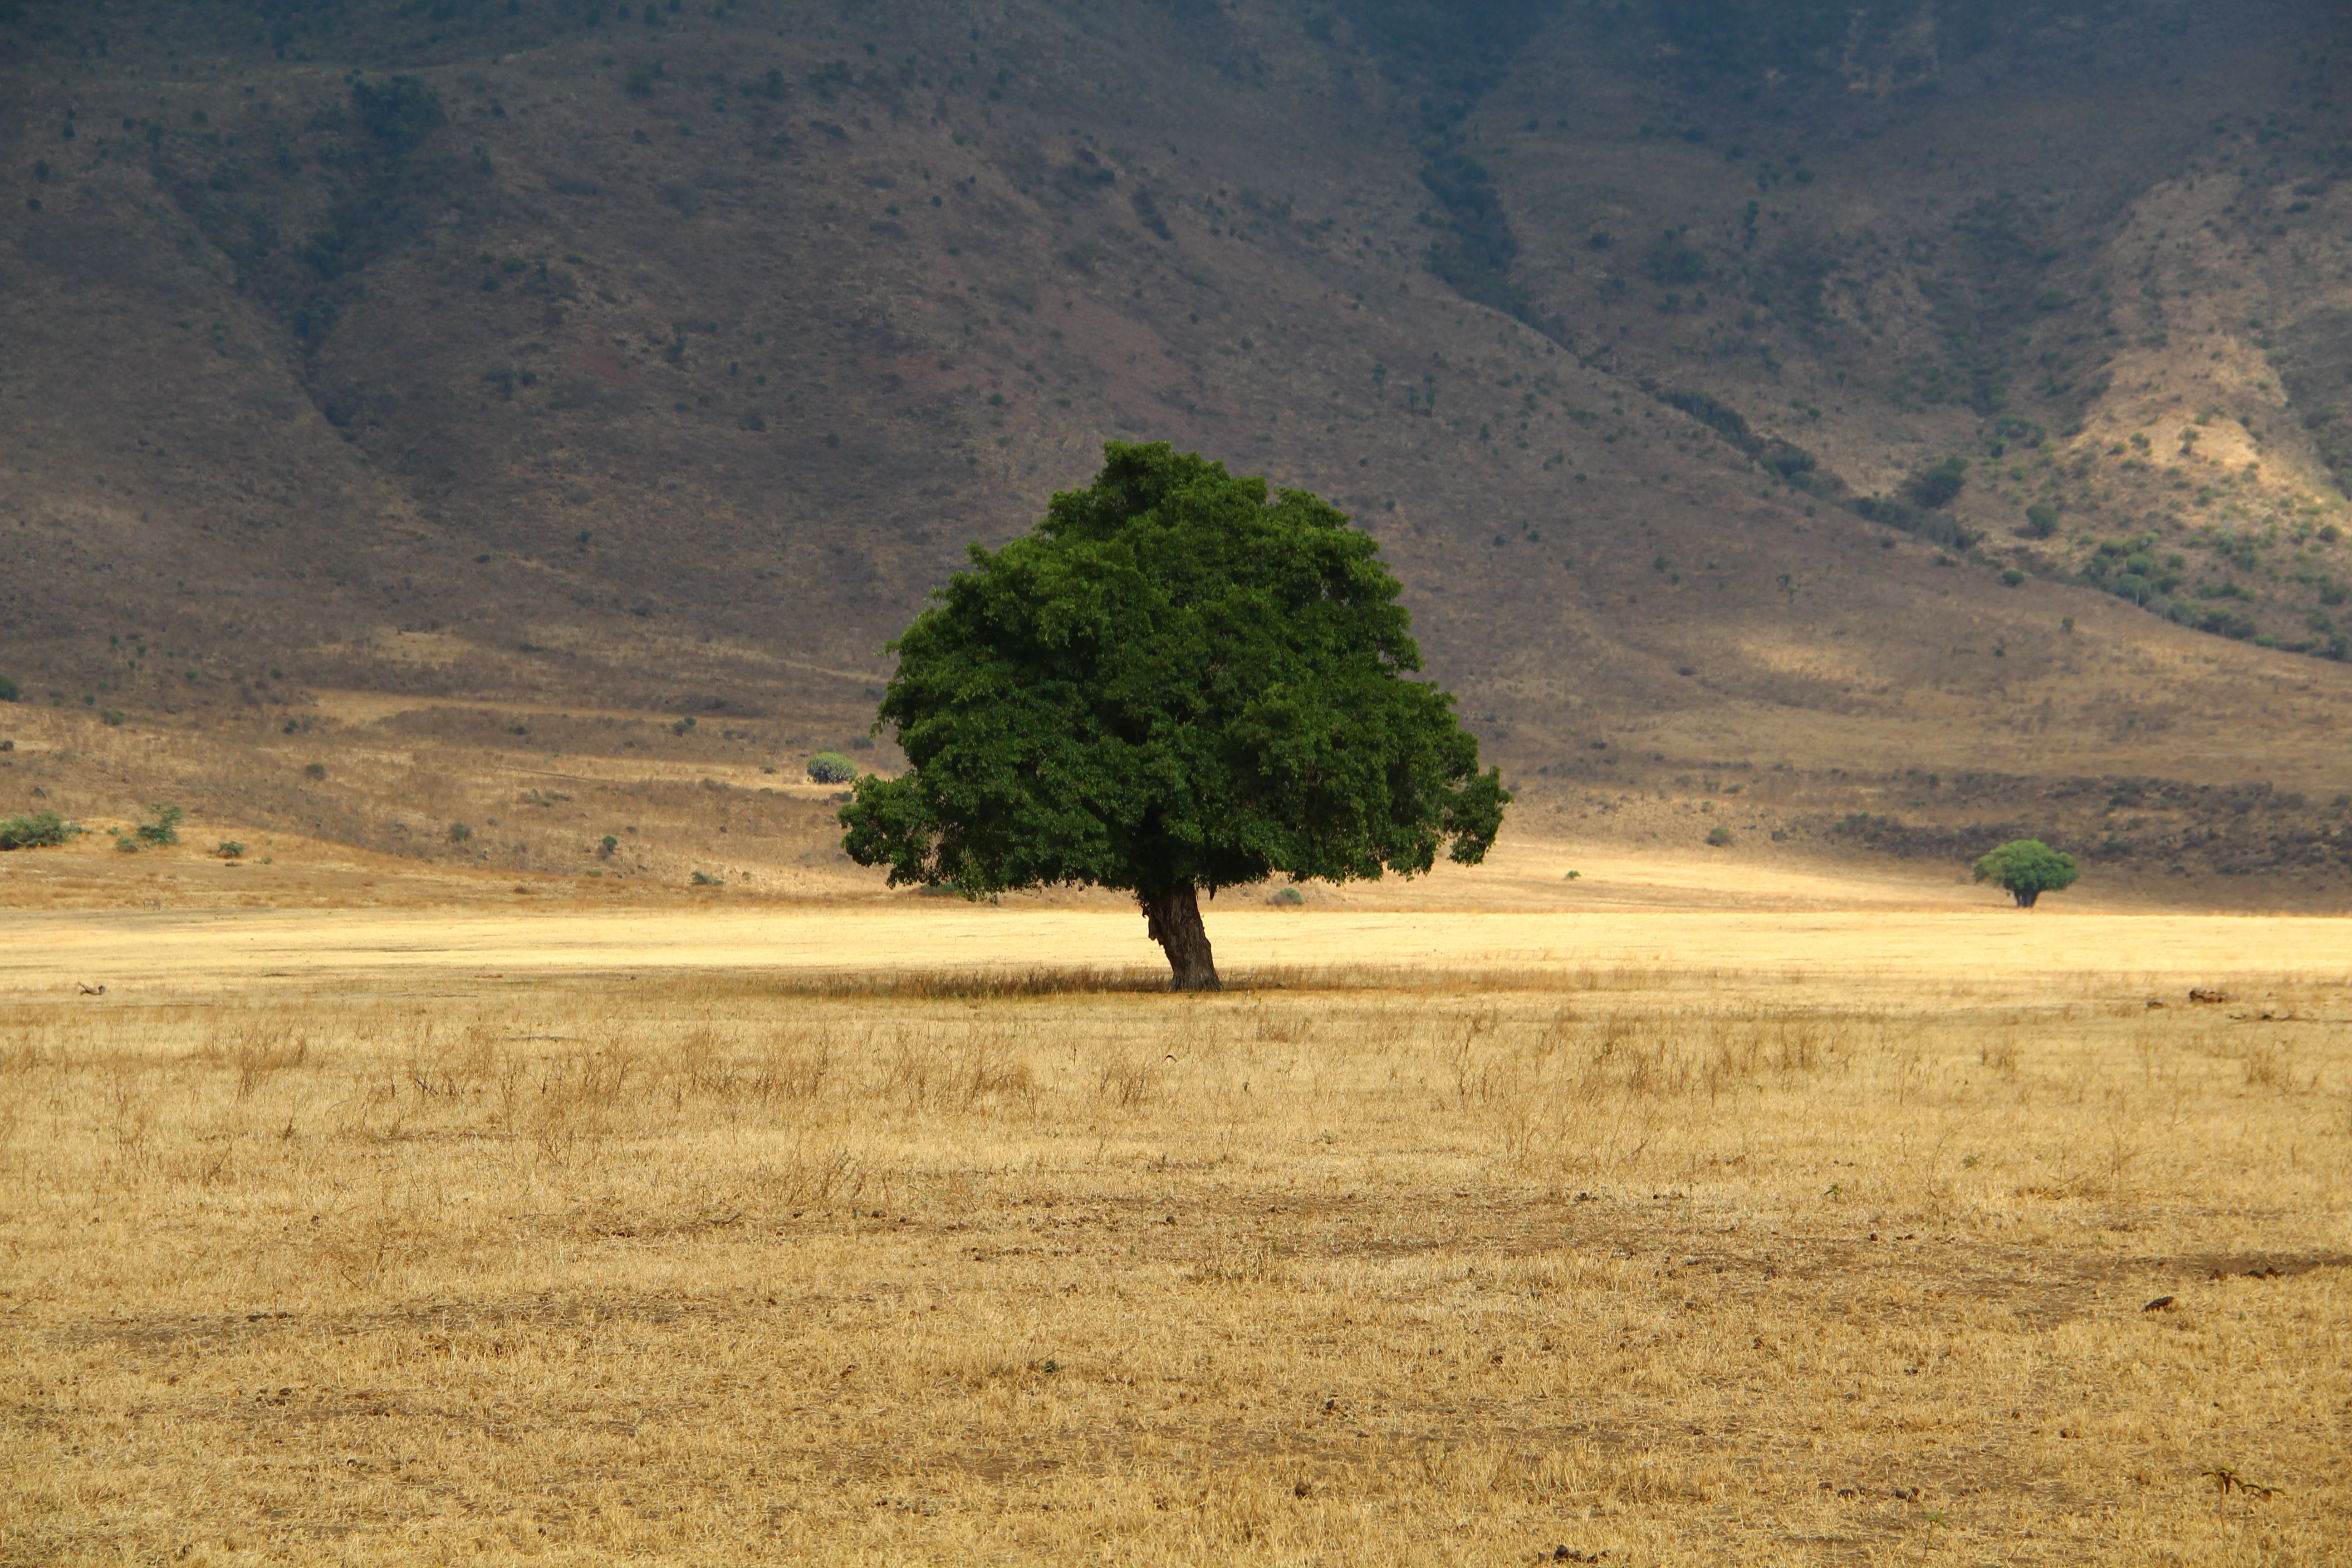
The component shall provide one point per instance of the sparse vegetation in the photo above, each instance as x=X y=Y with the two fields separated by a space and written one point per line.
x=1026 y=1185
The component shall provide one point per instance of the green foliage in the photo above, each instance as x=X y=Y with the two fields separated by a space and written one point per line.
x=831 y=767
x=1475 y=248
x=460 y=832
x=2026 y=868
x=163 y=829
x=704 y=880
x=230 y=849
x=10 y=692
x=1786 y=458
x=1719 y=836
x=2042 y=520
x=1940 y=485
x=1173 y=682
x=39 y=830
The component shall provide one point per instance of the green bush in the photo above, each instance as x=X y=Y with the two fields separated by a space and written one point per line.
x=9 y=690
x=460 y=832
x=2026 y=868
x=164 y=829
x=2041 y=521
x=40 y=830
x=1940 y=485
x=1719 y=836
x=230 y=849
x=831 y=767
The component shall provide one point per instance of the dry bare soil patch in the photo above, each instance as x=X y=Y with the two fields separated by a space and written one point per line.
x=1730 y=1258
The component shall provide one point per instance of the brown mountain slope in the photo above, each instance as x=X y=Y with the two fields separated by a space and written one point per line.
x=549 y=378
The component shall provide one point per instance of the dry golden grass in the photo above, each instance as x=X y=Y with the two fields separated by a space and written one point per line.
x=1669 y=1263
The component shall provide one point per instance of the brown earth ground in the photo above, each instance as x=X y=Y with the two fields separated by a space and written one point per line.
x=921 y=1232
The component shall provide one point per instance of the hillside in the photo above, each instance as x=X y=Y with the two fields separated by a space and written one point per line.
x=1879 y=428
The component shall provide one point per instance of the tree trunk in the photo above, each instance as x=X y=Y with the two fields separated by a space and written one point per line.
x=2025 y=896
x=1175 y=922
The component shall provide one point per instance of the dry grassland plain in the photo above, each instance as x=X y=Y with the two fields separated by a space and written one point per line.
x=1658 y=1239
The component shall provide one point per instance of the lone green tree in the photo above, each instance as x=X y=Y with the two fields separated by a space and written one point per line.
x=2027 y=869
x=1175 y=682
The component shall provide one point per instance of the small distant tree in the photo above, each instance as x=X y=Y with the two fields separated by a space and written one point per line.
x=1177 y=682
x=831 y=767
x=9 y=691
x=2026 y=868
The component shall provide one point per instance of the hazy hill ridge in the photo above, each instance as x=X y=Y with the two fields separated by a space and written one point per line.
x=1702 y=367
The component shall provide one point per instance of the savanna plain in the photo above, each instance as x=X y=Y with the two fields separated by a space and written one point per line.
x=1688 y=1239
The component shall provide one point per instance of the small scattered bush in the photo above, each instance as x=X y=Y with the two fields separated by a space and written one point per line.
x=39 y=830
x=230 y=849
x=1286 y=898
x=460 y=832
x=1940 y=485
x=164 y=829
x=2041 y=521
x=831 y=767
x=10 y=692
x=701 y=879
x=315 y=771
x=2012 y=576
x=1719 y=836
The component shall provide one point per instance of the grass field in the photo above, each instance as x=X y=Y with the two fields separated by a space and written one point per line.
x=1651 y=1239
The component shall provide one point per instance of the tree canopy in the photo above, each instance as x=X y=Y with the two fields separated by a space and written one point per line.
x=1176 y=681
x=2027 y=869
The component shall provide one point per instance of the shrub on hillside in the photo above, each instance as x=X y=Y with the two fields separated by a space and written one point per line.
x=40 y=830
x=164 y=829
x=9 y=691
x=832 y=767
x=2041 y=521
x=1940 y=485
